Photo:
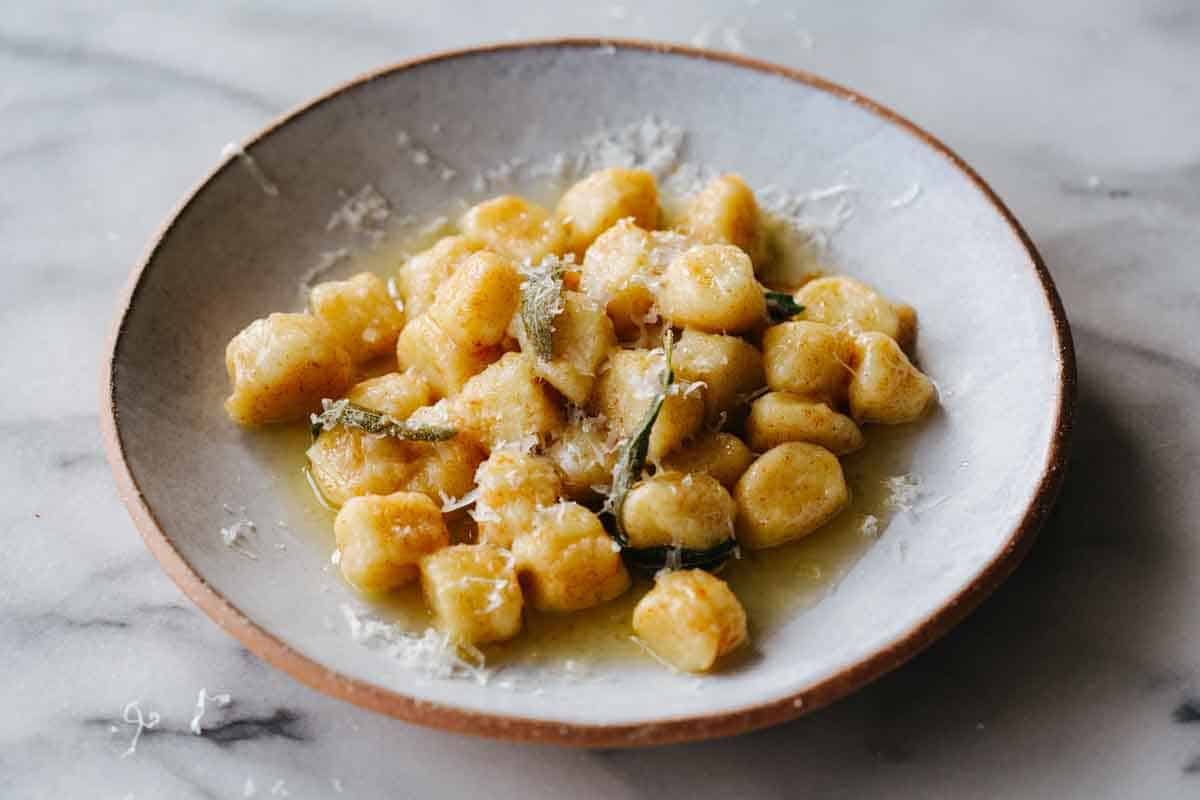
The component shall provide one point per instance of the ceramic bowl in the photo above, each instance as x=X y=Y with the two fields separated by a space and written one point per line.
x=889 y=204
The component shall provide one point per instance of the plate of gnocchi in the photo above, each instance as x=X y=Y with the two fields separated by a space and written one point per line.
x=602 y=393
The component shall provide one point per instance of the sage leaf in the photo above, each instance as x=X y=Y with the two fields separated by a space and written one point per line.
x=351 y=415
x=633 y=454
x=541 y=302
x=652 y=559
x=781 y=306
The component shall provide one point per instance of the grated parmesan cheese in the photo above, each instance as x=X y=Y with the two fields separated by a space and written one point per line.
x=452 y=504
x=903 y=491
x=325 y=264
x=432 y=653
x=236 y=537
x=870 y=526
x=818 y=214
x=365 y=211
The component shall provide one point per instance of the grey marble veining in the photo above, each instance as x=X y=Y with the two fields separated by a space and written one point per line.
x=1078 y=678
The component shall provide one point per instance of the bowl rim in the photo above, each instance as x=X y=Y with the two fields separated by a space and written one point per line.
x=670 y=730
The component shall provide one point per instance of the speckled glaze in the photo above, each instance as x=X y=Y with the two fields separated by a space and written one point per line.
x=993 y=335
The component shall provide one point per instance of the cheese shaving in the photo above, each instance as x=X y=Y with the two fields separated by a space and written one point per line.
x=903 y=491
x=234 y=150
x=145 y=722
x=236 y=538
x=202 y=700
x=365 y=211
x=451 y=504
x=326 y=262
x=433 y=654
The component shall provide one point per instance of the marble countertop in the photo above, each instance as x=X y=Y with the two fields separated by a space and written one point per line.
x=1077 y=678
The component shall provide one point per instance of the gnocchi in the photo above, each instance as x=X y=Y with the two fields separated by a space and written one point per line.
x=473 y=592
x=779 y=417
x=725 y=212
x=609 y=391
x=689 y=619
x=382 y=538
x=567 y=561
x=282 y=367
x=787 y=493
x=599 y=201
x=514 y=228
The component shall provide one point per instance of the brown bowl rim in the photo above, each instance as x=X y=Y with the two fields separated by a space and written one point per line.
x=679 y=729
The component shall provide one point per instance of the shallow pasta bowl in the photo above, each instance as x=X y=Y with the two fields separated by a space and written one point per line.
x=887 y=203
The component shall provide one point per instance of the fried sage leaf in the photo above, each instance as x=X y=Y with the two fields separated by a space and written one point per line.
x=633 y=454
x=352 y=415
x=652 y=559
x=541 y=302
x=781 y=306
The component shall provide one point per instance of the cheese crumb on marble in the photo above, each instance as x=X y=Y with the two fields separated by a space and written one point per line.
x=203 y=698
x=132 y=714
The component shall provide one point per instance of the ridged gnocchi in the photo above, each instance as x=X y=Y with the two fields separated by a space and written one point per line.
x=552 y=409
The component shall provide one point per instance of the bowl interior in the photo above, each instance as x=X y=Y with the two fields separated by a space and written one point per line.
x=898 y=213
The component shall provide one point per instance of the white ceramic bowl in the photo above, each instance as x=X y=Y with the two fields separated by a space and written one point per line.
x=924 y=227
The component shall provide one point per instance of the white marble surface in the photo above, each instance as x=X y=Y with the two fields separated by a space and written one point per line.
x=1078 y=678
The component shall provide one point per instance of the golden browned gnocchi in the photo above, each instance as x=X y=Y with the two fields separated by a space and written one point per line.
x=596 y=203
x=809 y=359
x=567 y=561
x=711 y=287
x=548 y=411
x=628 y=386
x=850 y=304
x=721 y=455
x=730 y=368
x=512 y=487
x=779 y=417
x=689 y=619
x=725 y=212
x=788 y=492
x=282 y=367
x=364 y=318
x=514 y=228
x=418 y=282
x=676 y=509
x=382 y=538
x=473 y=592
x=398 y=394
x=583 y=337
x=886 y=387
